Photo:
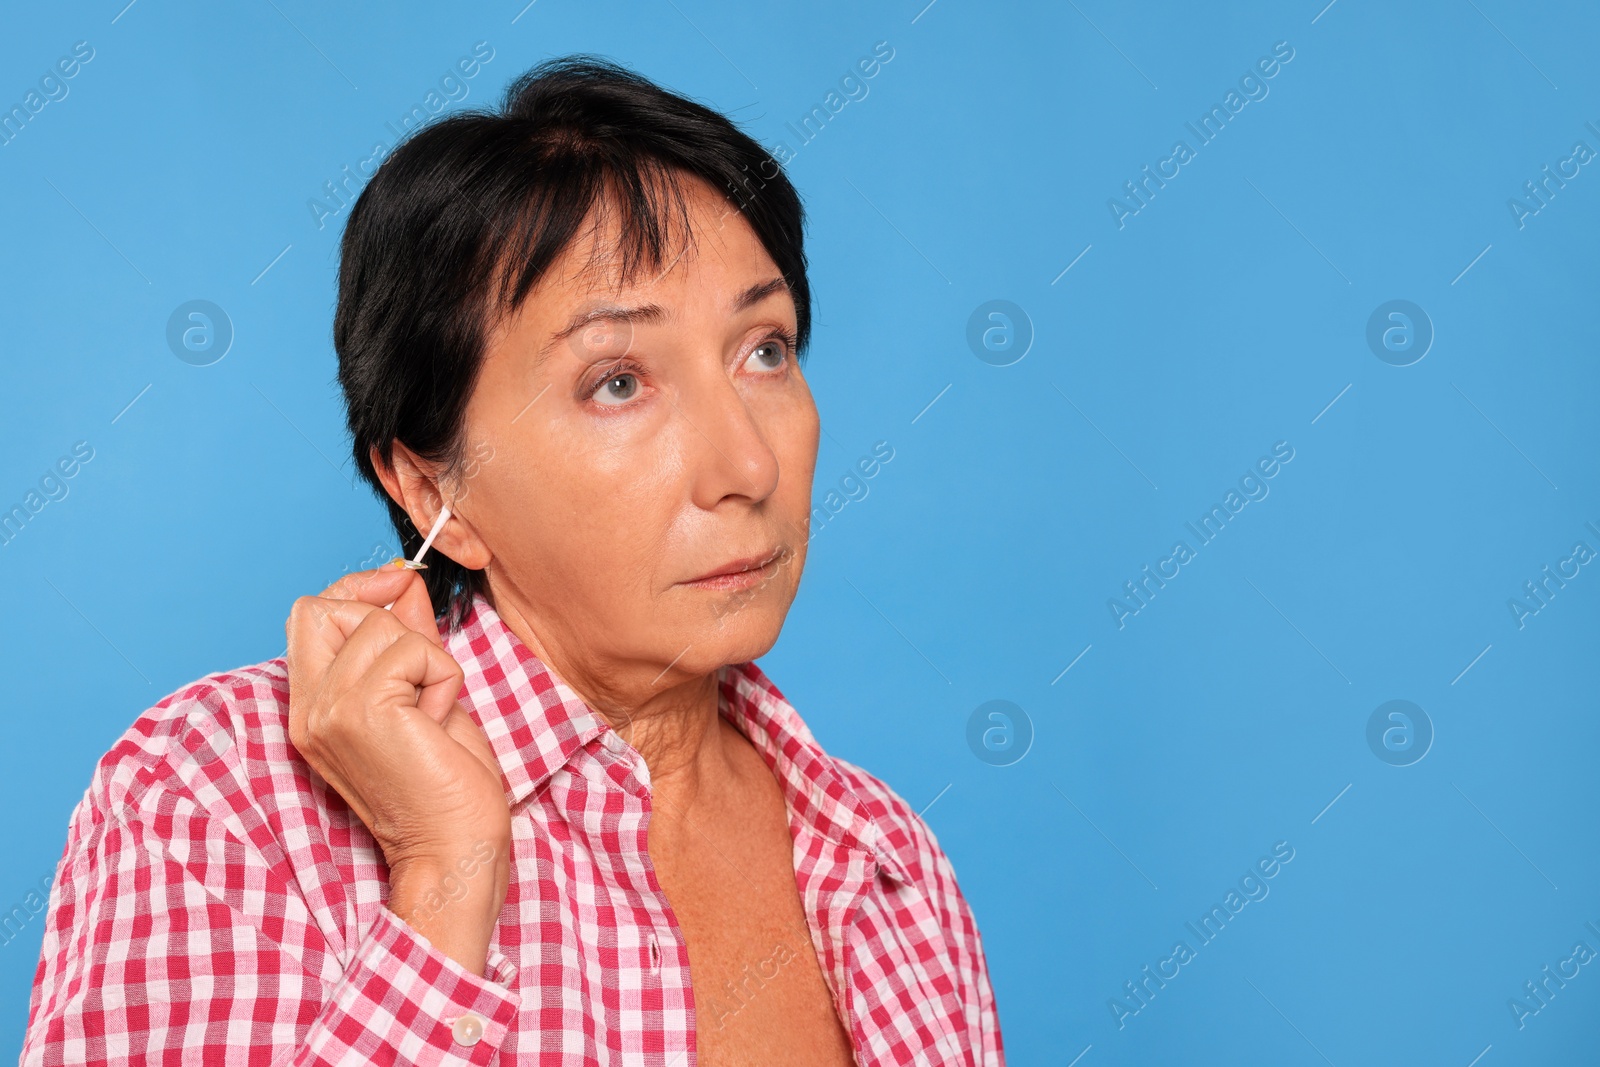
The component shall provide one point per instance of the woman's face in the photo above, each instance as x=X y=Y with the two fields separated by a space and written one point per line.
x=626 y=440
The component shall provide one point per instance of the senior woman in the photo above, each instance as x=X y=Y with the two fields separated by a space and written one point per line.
x=546 y=809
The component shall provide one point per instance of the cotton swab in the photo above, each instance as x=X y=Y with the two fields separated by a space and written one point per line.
x=415 y=562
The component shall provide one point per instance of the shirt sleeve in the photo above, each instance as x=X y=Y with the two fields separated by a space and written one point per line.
x=186 y=945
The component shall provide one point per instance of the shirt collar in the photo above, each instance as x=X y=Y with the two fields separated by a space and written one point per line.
x=536 y=723
x=814 y=787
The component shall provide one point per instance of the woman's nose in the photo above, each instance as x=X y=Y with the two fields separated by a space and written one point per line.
x=727 y=451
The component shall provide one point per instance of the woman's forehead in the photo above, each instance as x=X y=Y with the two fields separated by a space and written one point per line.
x=593 y=275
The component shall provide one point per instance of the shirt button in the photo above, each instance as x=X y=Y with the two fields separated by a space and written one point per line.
x=468 y=1029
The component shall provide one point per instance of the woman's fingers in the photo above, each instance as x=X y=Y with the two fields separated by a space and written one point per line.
x=335 y=639
x=369 y=634
x=377 y=586
x=432 y=673
x=318 y=628
x=403 y=587
x=415 y=608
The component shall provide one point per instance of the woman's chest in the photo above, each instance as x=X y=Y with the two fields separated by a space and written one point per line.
x=720 y=954
x=760 y=991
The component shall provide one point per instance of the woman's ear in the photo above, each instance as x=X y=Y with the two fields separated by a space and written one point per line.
x=413 y=484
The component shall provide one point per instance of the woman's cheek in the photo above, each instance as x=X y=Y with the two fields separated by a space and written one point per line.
x=802 y=435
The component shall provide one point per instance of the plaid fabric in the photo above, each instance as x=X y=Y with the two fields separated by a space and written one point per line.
x=217 y=903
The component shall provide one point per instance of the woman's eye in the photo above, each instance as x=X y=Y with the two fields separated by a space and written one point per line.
x=617 y=389
x=769 y=355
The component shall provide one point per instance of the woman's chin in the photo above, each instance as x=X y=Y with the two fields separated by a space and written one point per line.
x=717 y=638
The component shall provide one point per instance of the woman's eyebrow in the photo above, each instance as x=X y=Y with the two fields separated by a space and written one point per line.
x=603 y=313
x=759 y=292
x=651 y=313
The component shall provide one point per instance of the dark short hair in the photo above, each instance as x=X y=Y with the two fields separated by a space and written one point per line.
x=467 y=215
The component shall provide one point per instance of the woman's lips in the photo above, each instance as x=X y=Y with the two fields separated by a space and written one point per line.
x=739 y=574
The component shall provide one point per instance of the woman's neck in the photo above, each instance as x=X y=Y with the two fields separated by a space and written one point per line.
x=676 y=728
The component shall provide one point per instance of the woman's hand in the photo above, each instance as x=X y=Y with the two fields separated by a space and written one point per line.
x=373 y=709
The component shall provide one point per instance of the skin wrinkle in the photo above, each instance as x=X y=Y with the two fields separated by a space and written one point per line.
x=615 y=314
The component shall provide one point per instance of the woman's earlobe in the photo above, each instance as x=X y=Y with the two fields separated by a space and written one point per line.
x=461 y=542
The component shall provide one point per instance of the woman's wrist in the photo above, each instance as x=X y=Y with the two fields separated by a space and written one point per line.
x=456 y=913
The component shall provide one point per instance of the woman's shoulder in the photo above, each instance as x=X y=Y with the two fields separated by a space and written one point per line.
x=200 y=738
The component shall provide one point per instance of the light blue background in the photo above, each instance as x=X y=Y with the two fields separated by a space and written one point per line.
x=1223 y=317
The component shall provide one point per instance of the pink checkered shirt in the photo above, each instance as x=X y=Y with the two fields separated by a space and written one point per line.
x=217 y=903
